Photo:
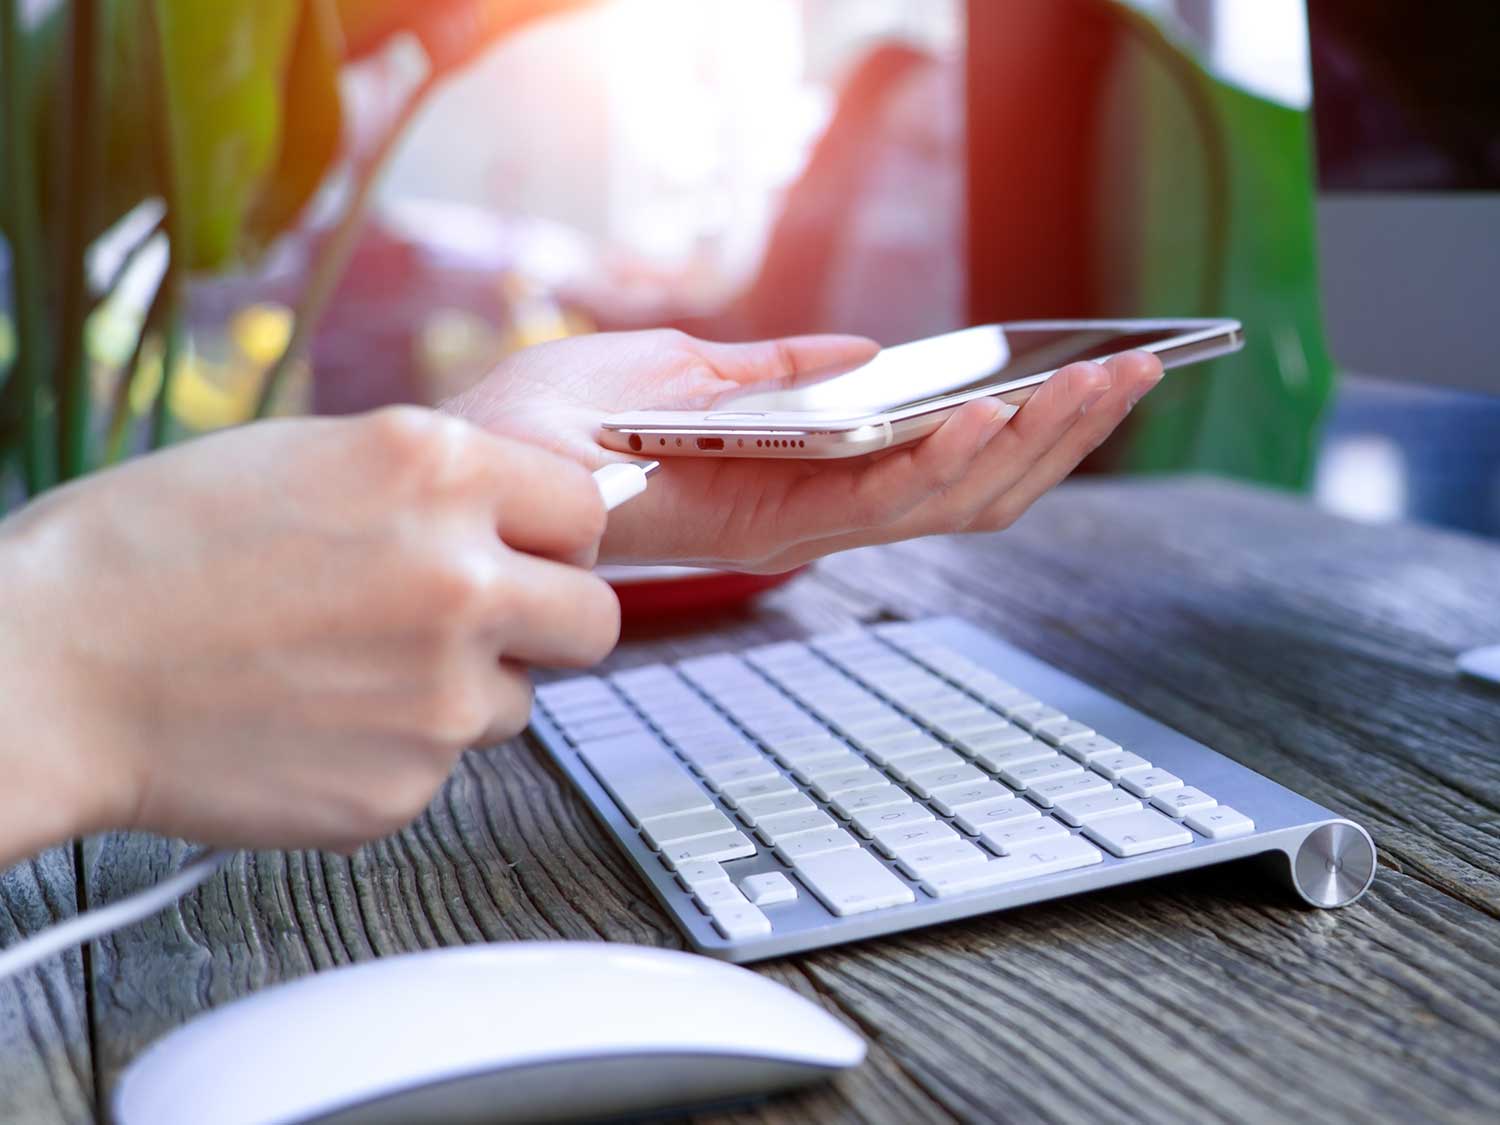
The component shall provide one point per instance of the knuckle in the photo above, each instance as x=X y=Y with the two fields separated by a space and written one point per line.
x=672 y=337
x=456 y=713
x=416 y=443
x=460 y=586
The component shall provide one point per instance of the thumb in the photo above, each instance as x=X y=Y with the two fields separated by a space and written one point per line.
x=791 y=357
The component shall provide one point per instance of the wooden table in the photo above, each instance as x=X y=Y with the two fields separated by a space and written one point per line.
x=1315 y=651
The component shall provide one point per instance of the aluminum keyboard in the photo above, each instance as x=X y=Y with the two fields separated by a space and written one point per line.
x=801 y=794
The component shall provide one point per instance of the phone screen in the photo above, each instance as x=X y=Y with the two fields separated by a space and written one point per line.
x=926 y=371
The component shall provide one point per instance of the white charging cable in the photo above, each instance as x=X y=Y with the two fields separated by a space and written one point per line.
x=618 y=482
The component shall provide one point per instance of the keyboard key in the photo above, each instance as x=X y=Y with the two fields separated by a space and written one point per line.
x=873 y=820
x=1149 y=783
x=1048 y=793
x=752 y=809
x=1008 y=839
x=852 y=882
x=798 y=751
x=1044 y=769
x=922 y=763
x=741 y=923
x=719 y=756
x=905 y=837
x=921 y=862
x=1086 y=750
x=850 y=805
x=962 y=723
x=804 y=844
x=645 y=780
x=846 y=781
x=1065 y=730
x=994 y=738
x=950 y=801
x=663 y=830
x=604 y=727
x=1220 y=823
x=738 y=791
x=700 y=873
x=1007 y=757
x=808 y=772
x=939 y=706
x=1086 y=810
x=885 y=751
x=1021 y=705
x=1180 y=802
x=1137 y=833
x=1002 y=810
x=932 y=782
x=773 y=829
x=993 y=690
x=1034 y=717
x=769 y=889
x=721 y=846
x=1046 y=858
x=1116 y=766
x=711 y=895
x=785 y=728
x=720 y=775
x=556 y=696
x=875 y=724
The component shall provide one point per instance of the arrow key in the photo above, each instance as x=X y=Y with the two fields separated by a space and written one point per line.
x=1136 y=833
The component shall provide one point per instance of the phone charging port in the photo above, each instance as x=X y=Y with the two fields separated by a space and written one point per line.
x=710 y=443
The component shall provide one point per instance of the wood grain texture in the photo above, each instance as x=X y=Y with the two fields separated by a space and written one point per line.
x=1315 y=651
x=46 y=1072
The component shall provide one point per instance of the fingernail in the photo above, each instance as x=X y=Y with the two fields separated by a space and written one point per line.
x=1003 y=413
x=1092 y=398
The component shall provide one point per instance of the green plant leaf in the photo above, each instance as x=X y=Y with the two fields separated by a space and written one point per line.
x=222 y=66
x=312 y=127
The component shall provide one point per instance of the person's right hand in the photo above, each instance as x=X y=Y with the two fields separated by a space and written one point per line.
x=285 y=635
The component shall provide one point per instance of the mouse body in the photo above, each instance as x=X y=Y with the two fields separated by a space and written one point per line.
x=523 y=1031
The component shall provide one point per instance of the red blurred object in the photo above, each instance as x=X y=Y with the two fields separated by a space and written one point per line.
x=657 y=592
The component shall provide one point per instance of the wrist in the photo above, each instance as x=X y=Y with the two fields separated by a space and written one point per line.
x=54 y=750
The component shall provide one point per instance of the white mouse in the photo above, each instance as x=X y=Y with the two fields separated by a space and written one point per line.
x=525 y=1031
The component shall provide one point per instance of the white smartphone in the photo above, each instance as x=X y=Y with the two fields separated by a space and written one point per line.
x=906 y=391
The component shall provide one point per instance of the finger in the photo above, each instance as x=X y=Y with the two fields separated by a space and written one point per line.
x=544 y=503
x=789 y=357
x=1132 y=375
x=1039 y=425
x=877 y=493
x=1008 y=451
x=552 y=614
x=510 y=702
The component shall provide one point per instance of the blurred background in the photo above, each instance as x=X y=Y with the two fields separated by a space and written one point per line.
x=215 y=211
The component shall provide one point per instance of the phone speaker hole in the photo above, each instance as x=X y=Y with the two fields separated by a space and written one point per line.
x=710 y=443
x=635 y=442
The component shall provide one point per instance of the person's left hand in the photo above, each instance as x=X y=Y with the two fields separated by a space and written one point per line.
x=979 y=472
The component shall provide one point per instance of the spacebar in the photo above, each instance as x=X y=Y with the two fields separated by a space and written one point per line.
x=643 y=777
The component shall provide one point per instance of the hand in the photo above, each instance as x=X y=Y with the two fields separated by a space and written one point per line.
x=979 y=472
x=285 y=635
